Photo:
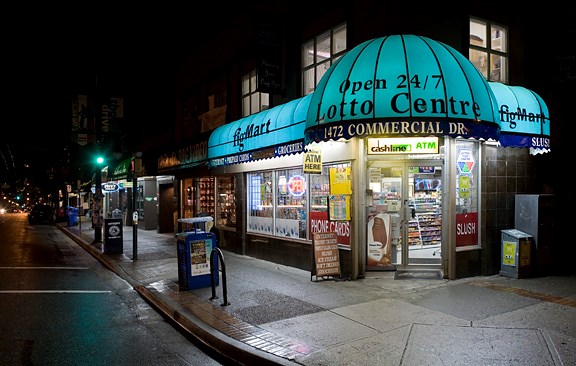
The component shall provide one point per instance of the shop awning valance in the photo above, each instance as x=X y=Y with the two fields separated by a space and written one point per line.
x=277 y=131
x=120 y=170
x=402 y=85
x=523 y=116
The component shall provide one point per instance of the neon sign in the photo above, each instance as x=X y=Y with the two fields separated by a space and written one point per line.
x=297 y=185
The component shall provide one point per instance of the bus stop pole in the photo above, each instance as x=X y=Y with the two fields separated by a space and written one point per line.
x=134 y=217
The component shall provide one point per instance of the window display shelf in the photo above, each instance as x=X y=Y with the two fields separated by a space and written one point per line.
x=426 y=227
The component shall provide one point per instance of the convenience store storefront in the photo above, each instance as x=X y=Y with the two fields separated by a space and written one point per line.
x=387 y=152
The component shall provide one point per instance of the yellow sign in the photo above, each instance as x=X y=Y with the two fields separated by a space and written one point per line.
x=464 y=181
x=313 y=162
x=524 y=253
x=340 y=180
x=339 y=207
x=509 y=253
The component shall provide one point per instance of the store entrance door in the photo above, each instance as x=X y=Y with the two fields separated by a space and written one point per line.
x=424 y=221
x=404 y=222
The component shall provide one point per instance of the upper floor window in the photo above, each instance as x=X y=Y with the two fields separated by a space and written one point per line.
x=488 y=49
x=319 y=54
x=252 y=100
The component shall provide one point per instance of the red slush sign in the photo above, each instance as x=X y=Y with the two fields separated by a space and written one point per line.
x=467 y=229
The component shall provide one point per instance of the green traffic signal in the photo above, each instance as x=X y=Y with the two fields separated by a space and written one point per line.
x=99 y=160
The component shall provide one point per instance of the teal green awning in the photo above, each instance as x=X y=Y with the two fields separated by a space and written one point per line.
x=277 y=131
x=402 y=85
x=523 y=116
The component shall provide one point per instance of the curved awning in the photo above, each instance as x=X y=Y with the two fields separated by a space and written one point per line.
x=277 y=131
x=402 y=85
x=523 y=116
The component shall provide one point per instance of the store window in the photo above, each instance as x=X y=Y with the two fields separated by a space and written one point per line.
x=320 y=200
x=252 y=100
x=226 y=204
x=319 y=191
x=289 y=203
x=197 y=197
x=488 y=49
x=277 y=203
x=319 y=54
x=467 y=193
x=260 y=202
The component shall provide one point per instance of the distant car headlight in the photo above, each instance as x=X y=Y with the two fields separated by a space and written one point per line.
x=2 y=211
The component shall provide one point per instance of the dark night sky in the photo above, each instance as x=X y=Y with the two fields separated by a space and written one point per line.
x=52 y=52
x=50 y=55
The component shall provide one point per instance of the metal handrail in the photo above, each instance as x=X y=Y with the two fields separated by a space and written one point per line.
x=213 y=278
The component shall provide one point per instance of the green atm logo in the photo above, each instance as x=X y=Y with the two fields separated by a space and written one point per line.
x=405 y=145
x=427 y=145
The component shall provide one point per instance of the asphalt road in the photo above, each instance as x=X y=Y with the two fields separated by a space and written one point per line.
x=59 y=305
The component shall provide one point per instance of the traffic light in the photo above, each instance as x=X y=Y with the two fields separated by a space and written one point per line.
x=99 y=160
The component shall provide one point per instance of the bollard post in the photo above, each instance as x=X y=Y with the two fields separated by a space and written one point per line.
x=213 y=273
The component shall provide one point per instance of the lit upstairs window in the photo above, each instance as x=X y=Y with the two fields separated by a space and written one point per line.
x=319 y=54
x=488 y=49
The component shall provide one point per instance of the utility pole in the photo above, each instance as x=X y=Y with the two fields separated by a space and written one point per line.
x=136 y=167
x=97 y=219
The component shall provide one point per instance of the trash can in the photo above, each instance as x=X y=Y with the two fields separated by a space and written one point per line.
x=72 y=213
x=195 y=247
x=517 y=254
x=113 y=237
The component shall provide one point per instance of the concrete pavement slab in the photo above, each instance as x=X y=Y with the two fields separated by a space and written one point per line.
x=277 y=315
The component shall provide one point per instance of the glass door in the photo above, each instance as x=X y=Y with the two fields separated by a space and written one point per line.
x=385 y=216
x=404 y=222
x=424 y=221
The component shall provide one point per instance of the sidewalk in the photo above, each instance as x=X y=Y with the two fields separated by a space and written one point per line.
x=278 y=316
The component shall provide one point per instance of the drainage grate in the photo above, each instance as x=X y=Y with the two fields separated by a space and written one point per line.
x=418 y=275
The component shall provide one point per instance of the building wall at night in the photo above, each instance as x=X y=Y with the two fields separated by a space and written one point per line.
x=208 y=95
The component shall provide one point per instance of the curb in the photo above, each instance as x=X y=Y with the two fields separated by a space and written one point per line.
x=231 y=350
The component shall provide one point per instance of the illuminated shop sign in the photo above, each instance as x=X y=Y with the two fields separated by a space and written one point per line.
x=270 y=152
x=277 y=131
x=524 y=117
x=297 y=185
x=110 y=187
x=401 y=85
x=408 y=145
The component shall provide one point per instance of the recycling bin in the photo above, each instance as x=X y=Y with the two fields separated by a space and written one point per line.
x=517 y=254
x=113 y=237
x=195 y=247
x=72 y=213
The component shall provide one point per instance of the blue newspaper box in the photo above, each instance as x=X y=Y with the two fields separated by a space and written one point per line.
x=195 y=246
x=72 y=213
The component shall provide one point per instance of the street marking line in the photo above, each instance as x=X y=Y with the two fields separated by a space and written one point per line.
x=54 y=291
x=43 y=267
x=527 y=293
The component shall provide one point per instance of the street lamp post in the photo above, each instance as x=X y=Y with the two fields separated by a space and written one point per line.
x=97 y=203
x=97 y=220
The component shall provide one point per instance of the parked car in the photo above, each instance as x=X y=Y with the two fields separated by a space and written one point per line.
x=41 y=214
